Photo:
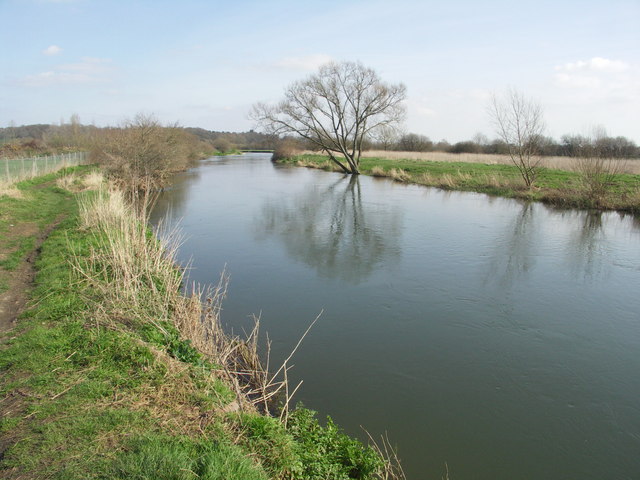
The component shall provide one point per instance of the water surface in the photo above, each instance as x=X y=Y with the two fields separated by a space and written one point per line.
x=500 y=337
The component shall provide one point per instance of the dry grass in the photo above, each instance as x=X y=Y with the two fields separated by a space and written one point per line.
x=448 y=181
x=170 y=401
x=9 y=189
x=378 y=172
x=241 y=365
x=392 y=469
x=399 y=175
x=131 y=272
x=559 y=163
x=135 y=275
x=93 y=180
x=499 y=181
x=327 y=165
x=67 y=181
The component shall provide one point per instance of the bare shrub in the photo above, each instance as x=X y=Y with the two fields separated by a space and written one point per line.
x=597 y=167
x=143 y=153
x=285 y=149
x=519 y=123
x=223 y=145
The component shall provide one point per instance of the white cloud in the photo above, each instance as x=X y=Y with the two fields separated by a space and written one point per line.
x=88 y=65
x=89 y=70
x=599 y=77
x=44 y=79
x=306 y=63
x=577 y=81
x=596 y=64
x=421 y=107
x=426 y=111
x=52 y=50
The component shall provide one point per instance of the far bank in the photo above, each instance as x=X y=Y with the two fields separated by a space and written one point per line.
x=557 y=187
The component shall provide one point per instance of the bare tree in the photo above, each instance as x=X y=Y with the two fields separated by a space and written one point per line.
x=386 y=136
x=520 y=124
x=336 y=109
x=597 y=163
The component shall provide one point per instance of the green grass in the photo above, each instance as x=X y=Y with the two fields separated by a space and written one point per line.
x=179 y=458
x=18 y=247
x=90 y=394
x=557 y=187
x=39 y=205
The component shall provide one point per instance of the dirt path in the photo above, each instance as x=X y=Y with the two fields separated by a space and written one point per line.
x=20 y=280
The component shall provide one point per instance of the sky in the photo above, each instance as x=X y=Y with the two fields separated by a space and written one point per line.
x=204 y=63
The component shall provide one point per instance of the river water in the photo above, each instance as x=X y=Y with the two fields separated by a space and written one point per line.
x=499 y=338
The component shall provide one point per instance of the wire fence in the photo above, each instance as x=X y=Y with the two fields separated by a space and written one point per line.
x=17 y=169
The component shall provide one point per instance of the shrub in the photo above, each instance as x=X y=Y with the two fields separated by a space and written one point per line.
x=326 y=452
x=284 y=150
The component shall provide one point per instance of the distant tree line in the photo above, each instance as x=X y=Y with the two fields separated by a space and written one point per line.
x=250 y=140
x=42 y=139
x=38 y=139
x=568 y=145
x=139 y=155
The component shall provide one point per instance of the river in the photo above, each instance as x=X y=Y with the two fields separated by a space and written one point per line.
x=496 y=337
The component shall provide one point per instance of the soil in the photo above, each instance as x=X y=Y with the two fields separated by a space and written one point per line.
x=20 y=280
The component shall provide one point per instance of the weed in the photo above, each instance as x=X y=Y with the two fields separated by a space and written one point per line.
x=326 y=452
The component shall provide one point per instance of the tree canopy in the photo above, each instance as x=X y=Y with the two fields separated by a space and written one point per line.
x=335 y=109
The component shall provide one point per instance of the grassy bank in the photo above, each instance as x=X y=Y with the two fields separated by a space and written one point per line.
x=112 y=373
x=557 y=187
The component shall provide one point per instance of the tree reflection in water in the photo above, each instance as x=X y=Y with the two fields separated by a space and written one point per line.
x=333 y=231
x=516 y=247
x=587 y=245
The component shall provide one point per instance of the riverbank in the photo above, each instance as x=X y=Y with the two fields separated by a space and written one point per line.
x=107 y=375
x=560 y=188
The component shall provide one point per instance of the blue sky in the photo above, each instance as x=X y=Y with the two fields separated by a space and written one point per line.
x=204 y=63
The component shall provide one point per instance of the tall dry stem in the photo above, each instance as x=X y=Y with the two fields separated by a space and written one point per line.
x=131 y=270
x=392 y=466
x=133 y=275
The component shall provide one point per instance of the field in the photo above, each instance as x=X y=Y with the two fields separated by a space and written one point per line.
x=558 y=181
x=558 y=163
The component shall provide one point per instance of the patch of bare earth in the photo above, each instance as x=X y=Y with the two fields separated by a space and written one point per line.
x=20 y=280
x=12 y=303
